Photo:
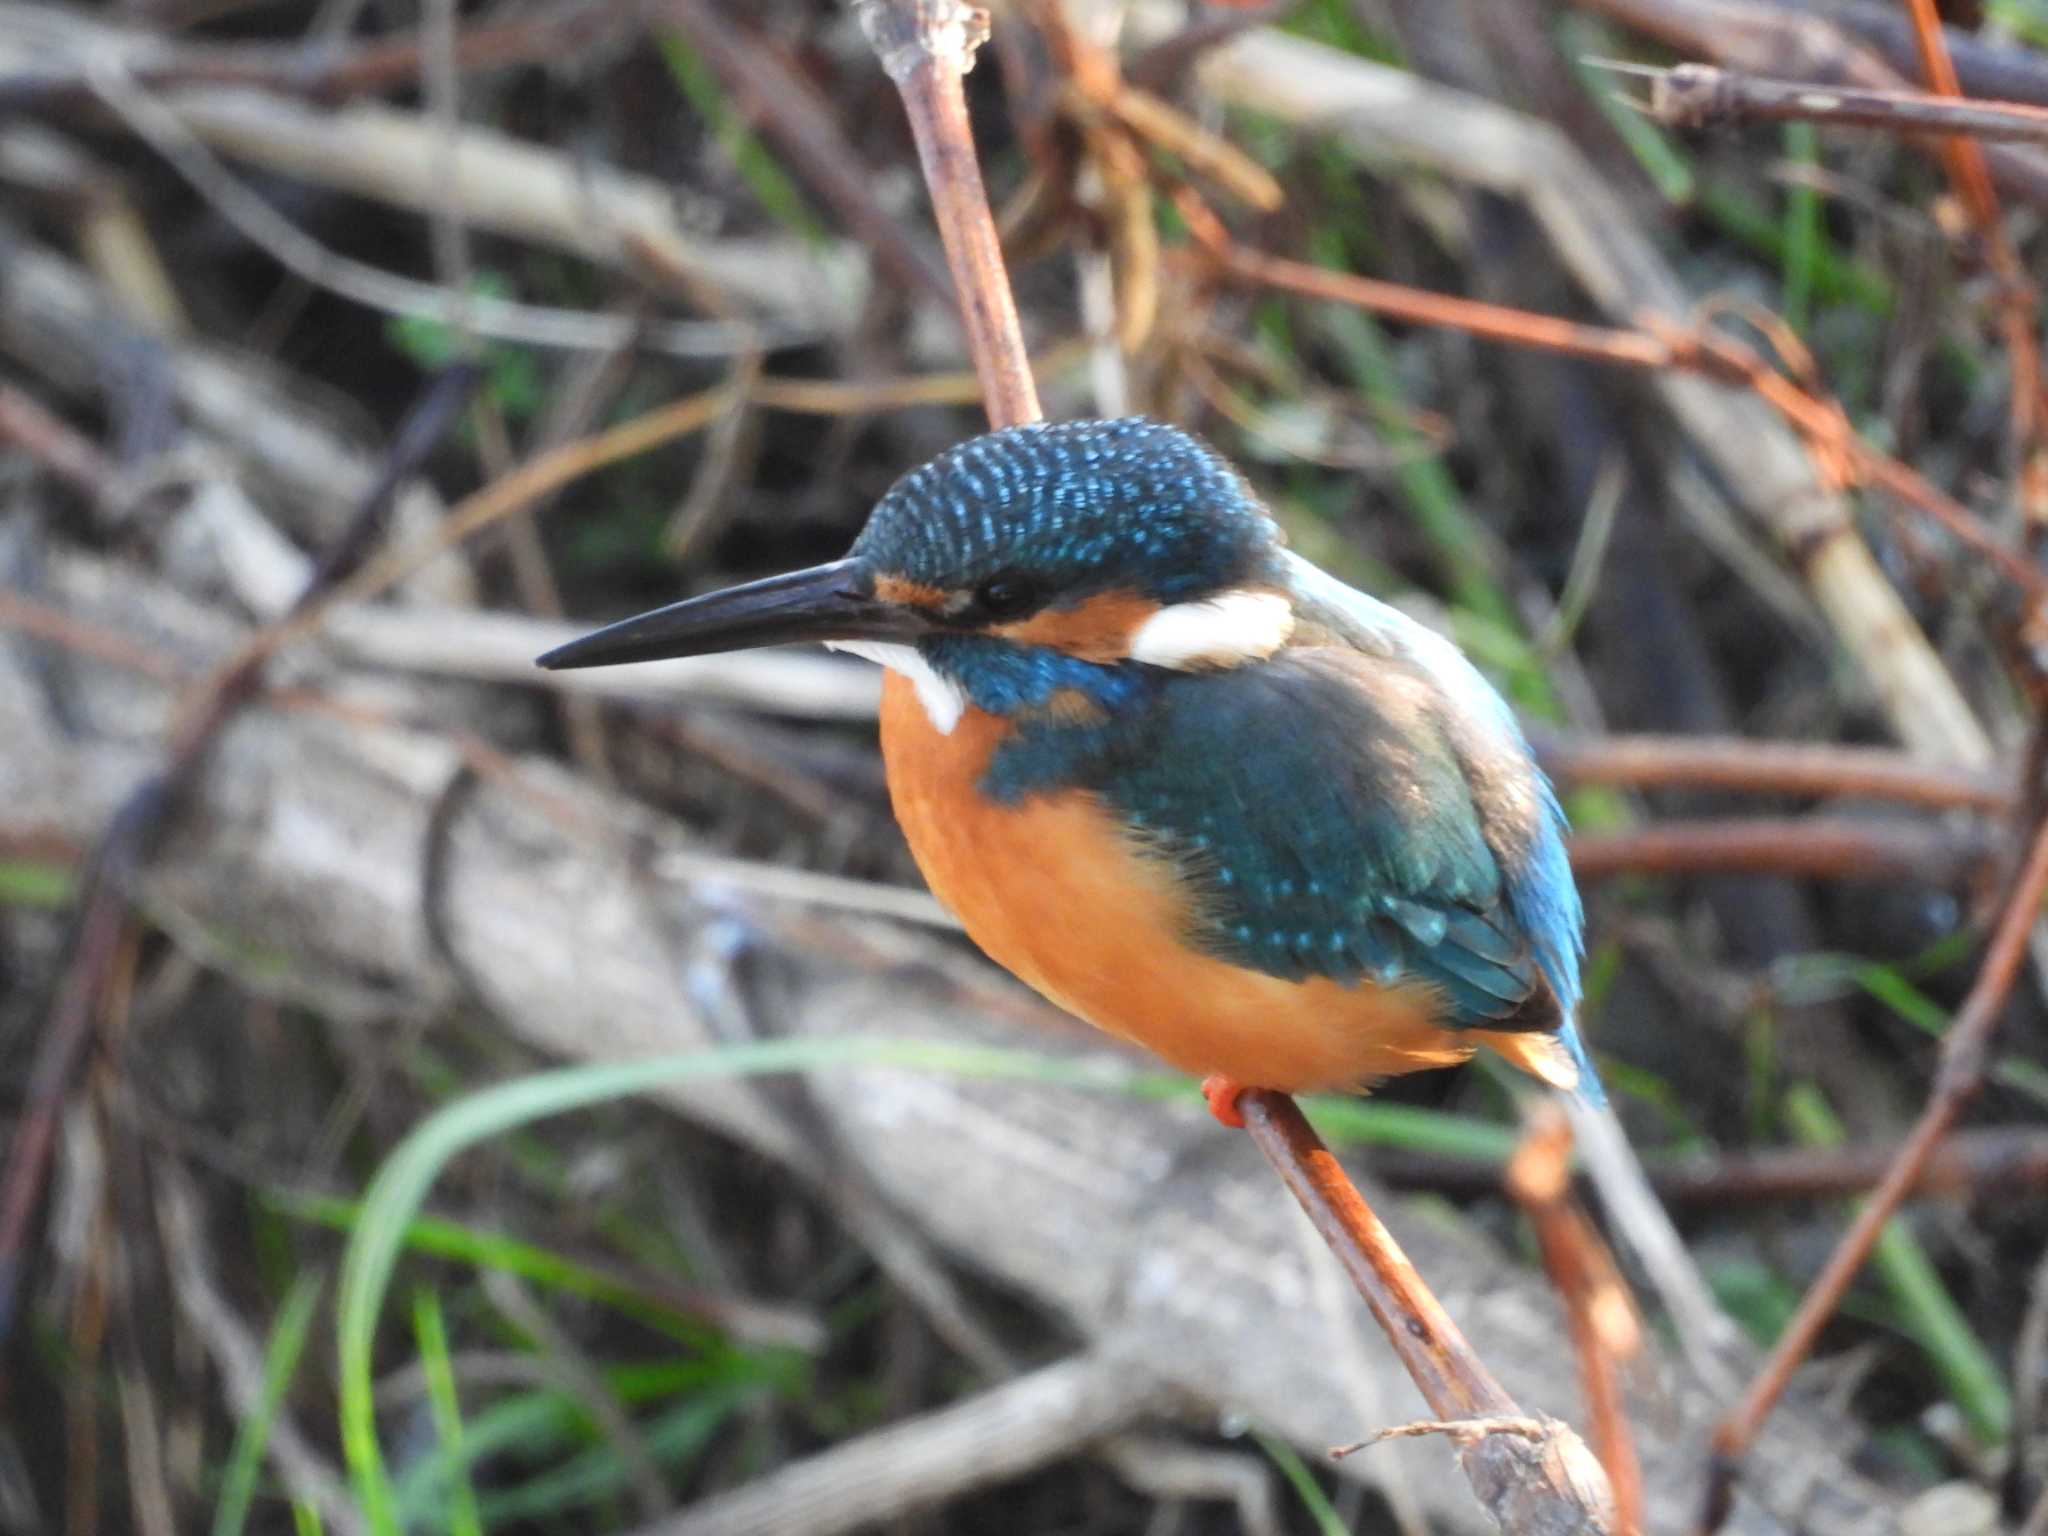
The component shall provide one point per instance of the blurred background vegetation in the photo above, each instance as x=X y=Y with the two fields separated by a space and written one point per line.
x=583 y=307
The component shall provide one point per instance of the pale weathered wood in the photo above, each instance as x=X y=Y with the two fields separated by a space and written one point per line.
x=999 y=1434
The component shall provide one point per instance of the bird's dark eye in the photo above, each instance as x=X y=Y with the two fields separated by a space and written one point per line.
x=1005 y=597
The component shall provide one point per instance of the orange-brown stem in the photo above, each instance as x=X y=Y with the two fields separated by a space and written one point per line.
x=1556 y=1480
x=1605 y=1328
x=1965 y=1050
x=1453 y=1380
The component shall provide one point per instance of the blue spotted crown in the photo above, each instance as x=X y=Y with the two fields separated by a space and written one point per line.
x=1084 y=506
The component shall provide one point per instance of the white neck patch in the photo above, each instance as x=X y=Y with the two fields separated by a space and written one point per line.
x=1218 y=631
x=943 y=699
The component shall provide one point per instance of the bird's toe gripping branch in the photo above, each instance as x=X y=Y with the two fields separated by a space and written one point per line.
x=1223 y=1093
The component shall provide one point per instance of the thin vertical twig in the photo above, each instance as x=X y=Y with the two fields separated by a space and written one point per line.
x=1964 y=1054
x=927 y=48
x=1968 y=171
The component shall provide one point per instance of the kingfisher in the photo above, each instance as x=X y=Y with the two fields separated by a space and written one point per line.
x=1181 y=781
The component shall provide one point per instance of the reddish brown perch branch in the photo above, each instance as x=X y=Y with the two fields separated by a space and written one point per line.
x=1965 y=1052
x=1452 y=1378
x=1526 y=1484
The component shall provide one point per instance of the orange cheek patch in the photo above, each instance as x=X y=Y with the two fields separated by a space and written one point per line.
x=1098 y=629
x=913 y=594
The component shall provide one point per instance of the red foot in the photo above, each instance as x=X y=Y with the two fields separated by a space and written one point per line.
x=1222 y=1093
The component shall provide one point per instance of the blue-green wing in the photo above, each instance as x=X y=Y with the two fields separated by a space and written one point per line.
x=1518 y=812
x=1318 y=809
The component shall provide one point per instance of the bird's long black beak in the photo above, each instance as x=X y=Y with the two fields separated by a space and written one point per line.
x=826 y=602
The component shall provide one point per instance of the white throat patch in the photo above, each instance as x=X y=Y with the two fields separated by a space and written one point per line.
x=1218 y=631
x=942 y=698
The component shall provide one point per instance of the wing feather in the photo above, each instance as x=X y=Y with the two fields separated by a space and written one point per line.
x=1318 y=811
x=1518 y=809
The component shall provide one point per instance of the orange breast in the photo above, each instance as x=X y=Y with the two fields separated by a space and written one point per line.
x=1055 y=893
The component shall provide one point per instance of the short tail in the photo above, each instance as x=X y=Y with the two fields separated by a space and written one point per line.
x=1554 y=1056
x=1587 y=1088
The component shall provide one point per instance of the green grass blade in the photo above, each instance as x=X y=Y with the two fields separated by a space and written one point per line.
x=430 y=1329
x=1930 y=1314
x=1458 y=540
x=1889 y=987
x=673 y=1440
x=1339 y=24
x=396 y=1194
x=1836 y=280
x=33 y=883
x=1361 y=1122
x=533 y=1425
x=552 y=1423
x=1304 y=1484
x=1581 y=40
x=772 y=186
x=1804 y=237
x=1813 y=976
x=252 y=1435
x=1755 y=1295
x=440 y=1238
x=392 y=1203
x=2027 y=20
